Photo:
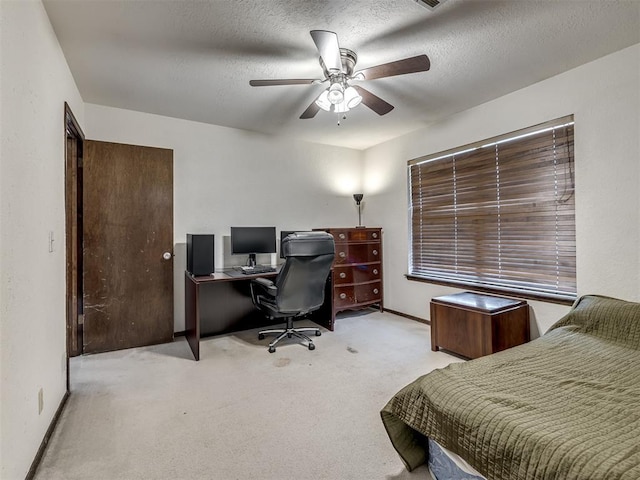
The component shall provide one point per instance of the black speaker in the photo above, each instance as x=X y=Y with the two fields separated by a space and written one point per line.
x=200 y=254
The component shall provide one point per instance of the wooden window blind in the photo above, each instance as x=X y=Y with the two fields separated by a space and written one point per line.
x=498 y=214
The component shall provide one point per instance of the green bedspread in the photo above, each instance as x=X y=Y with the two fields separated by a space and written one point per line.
x=564 y=406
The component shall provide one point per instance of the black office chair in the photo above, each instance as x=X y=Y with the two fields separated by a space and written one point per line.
x=299 y=287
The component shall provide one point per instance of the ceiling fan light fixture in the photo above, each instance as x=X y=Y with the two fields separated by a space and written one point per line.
x=323 y=101
x=351 y=97
x=341 y=107
x=336 y=93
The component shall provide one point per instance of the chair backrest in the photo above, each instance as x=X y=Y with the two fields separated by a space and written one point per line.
x=301 y=281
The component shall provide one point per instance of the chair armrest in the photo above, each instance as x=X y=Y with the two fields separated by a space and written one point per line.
x=262 y=287
x=263 y=281
x=266 y=284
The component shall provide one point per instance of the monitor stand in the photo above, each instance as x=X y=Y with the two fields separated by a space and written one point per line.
x=252 y=260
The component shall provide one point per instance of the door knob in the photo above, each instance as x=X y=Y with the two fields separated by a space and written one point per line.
x=166 y=255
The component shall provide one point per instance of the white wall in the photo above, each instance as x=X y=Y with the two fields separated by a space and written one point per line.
x=35 y=83
x=290 y=185
x=604 y=96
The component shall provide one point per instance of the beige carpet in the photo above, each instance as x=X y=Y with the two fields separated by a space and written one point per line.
x=241 y=412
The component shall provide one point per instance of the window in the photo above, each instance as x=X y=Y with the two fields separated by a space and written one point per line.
x=498 y=214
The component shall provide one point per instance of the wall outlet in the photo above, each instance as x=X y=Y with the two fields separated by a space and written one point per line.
x=40 y=401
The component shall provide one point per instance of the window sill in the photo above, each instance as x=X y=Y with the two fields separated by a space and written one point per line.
x=562 y=300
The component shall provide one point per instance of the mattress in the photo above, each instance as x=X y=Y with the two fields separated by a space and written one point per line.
x=446 y=465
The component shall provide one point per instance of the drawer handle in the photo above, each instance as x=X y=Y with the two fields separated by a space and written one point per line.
x=375 y=271
x=375 y=252
x=342 y=236
x=374 y=235
x=343 y=275
x=342 y=254
x=343 y=296
x=375 y=290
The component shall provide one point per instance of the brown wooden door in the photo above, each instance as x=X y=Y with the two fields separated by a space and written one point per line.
x=127 y=232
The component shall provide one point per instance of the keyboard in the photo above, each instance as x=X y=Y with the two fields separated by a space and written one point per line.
x=257 y=270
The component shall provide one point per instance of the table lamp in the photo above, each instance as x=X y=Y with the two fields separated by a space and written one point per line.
x=358 y=198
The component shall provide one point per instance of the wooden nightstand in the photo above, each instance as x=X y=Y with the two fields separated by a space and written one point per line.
x=473 y=325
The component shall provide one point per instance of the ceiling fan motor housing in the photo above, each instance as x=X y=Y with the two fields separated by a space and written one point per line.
x=349 y=60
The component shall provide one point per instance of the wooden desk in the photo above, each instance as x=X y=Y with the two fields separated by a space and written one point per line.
x=220 y=303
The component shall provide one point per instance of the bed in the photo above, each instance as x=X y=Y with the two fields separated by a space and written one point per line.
x=564 y=406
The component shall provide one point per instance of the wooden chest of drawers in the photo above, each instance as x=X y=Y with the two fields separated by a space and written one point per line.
x=356 y=276
x=473 y=325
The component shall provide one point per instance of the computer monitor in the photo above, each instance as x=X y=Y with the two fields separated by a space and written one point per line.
x=253 y=240
x=283 y=235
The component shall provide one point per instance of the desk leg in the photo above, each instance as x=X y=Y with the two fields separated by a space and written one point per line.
x=325 y=316
x=192 y=315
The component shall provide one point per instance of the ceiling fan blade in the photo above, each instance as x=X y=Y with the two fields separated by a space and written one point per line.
x=374 y=102
x=292 y=81
x=399 y=67
x=328 y=48
x=311 y=111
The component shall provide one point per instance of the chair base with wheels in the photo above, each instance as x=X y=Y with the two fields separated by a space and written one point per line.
x=289 y=331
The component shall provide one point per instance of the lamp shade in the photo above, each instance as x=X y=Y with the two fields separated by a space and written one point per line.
x=341 y=107
x=351 y=97
x=336 y=93
x=323 y=101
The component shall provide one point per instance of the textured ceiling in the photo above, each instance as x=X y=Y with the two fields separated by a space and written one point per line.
x=194 y=59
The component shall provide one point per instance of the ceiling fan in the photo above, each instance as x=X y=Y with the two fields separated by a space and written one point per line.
x=338 y=67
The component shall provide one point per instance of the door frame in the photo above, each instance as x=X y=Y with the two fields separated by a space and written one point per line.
x=73 y=151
